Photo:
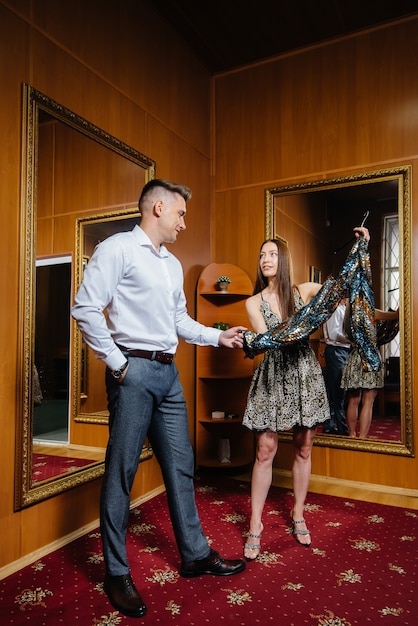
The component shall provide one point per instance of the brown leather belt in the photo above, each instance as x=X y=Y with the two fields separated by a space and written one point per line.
x=162 y=357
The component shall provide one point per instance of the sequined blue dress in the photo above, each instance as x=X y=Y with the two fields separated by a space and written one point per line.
x=355 y=276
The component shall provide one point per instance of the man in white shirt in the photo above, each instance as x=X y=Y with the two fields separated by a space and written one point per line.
x=140 y=284
x=336 y=353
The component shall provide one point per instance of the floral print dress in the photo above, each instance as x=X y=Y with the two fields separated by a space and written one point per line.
x=355 y=377
x=288 y=388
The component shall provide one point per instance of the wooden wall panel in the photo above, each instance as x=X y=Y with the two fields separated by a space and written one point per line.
x=45 y=182
x=112 y=180
x=92 y=435
x=14 y=56
x=145 y=52
x=341 y=105
x=153 y=97
x=237 y=226
x=300 y=220
x=336 y=109
x=45 y=238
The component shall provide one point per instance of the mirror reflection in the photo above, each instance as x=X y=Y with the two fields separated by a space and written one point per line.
x=317 y=220
x=89 y=372
x=51 y=383
x=52 y=341
x=70 y=169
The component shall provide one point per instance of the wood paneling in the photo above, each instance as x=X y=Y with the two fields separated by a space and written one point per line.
x=137 y=53
x=14 y=46
x=341 y=105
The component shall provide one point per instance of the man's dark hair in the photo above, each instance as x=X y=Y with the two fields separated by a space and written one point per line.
x=185 y=192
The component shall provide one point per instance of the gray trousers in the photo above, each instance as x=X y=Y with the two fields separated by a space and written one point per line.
x=149 y=401
x=335 y=359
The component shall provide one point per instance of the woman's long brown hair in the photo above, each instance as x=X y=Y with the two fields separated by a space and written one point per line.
x=284 y=280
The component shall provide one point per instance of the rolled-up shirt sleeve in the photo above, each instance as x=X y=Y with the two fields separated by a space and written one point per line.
x=192 y=331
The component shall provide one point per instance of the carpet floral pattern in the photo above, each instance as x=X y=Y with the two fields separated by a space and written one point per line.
x=361 y=568
x=45 y=466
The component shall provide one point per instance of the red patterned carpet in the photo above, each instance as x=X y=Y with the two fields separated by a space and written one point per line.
x=46 y=466
x=385 y=428
x=382 y=428
x=361 y=568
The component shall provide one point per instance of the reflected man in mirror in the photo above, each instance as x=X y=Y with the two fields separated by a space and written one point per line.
x=336 y=353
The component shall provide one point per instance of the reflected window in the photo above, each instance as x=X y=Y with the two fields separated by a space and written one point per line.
x=390 y=286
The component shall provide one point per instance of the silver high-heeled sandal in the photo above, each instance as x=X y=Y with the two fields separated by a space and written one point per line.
x=253 y=546
x=299 y=531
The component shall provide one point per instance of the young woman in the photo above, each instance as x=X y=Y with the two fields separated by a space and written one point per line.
x=287 y=390
x=362 y=386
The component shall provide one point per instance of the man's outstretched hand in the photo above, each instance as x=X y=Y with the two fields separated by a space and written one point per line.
x=233 y=337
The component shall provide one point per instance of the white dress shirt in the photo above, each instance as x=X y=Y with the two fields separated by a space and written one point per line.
x=334 y=334
x=142 y=292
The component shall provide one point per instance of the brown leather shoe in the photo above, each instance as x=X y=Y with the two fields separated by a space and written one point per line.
x=123 y=595
x=213 y=564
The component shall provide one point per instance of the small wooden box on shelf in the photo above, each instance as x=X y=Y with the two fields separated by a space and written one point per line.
x=223 y=375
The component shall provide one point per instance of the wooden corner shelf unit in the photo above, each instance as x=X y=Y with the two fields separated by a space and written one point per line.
x=223 y=375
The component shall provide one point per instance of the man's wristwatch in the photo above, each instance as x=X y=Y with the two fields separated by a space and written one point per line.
x=118 y=373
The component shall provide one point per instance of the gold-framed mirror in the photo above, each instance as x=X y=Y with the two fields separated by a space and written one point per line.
x=89 y=402
x=317 y=219
x=71 y=169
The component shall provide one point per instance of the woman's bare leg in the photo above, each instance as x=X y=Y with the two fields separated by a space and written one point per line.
x=301 y=473
x=261 y=478
x=354 y=397
x=366 y=413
